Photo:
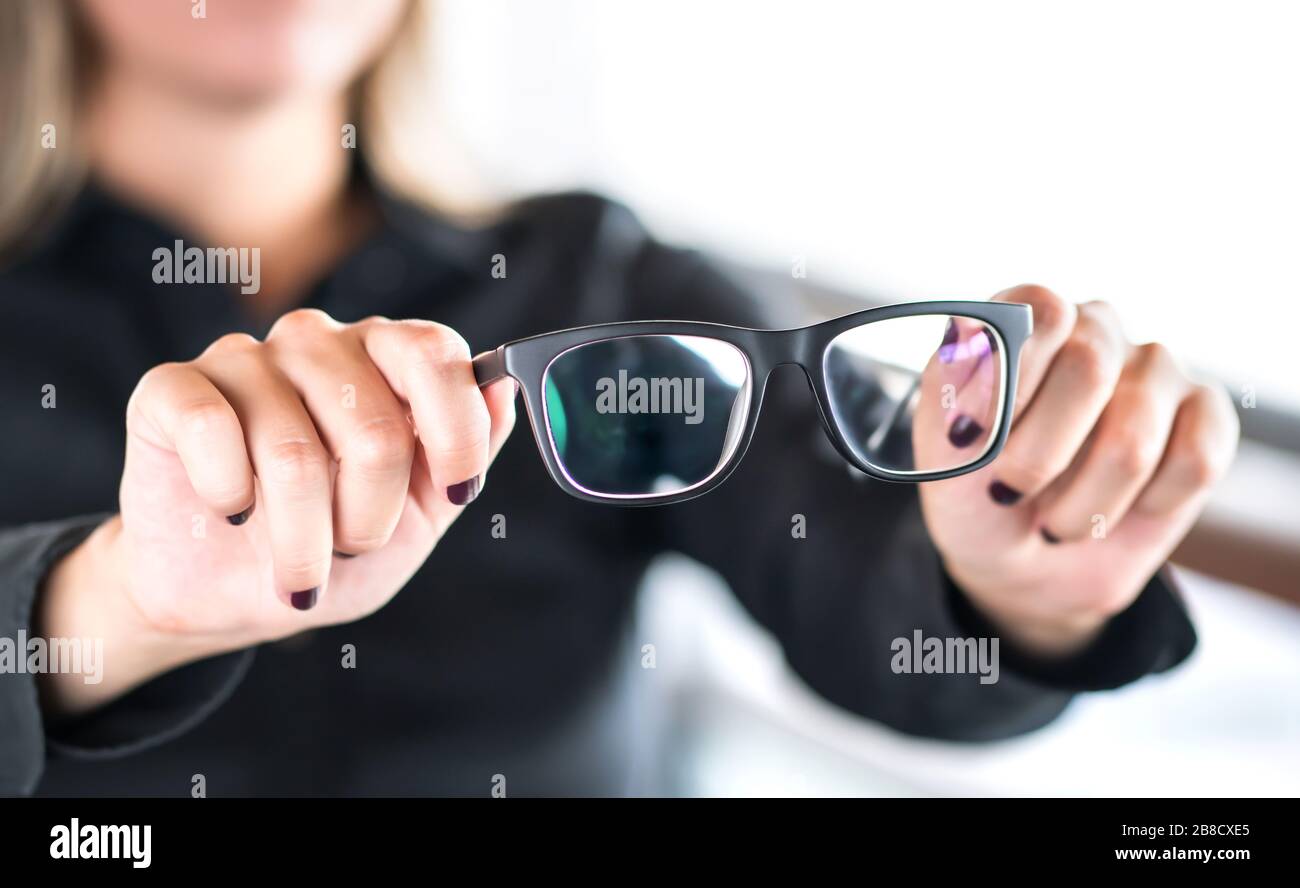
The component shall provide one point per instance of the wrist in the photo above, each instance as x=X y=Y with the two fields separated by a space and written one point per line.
x=1035 y=623
x=85 y=600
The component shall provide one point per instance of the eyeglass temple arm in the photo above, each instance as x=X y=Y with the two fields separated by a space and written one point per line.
x=489 y=366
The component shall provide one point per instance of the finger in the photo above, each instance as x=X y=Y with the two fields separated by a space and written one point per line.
x=1123 y=451
x=973 y=417
x=177 y=408
x=1054 y=321
x=1070 y=399
x=1200 y=450
x=958 y=398
x=292 y=467
x=428 y=366
x=500 y=398
x=359 y=420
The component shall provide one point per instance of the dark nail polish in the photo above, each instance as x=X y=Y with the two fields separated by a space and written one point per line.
x=464 y=492
x=950 y=332
x=964 y=431
x=241 y=517
x=1003 y=495
x=1049 y=536
x=948 y=348
x=343 y=555
x=304 y=600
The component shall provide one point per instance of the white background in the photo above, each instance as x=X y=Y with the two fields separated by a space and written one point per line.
x=1139 y=152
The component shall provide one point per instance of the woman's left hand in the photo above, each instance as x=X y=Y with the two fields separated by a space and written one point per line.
x=1112 y=454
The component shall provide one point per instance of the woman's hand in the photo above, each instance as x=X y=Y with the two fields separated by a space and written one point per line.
x=274 y=486
x=1111 y=456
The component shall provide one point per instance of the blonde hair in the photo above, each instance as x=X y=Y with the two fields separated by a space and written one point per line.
x=37 y=53
x=46 y=59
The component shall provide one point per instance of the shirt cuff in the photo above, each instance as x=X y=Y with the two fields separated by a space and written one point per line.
x=1152 y=635
x=153 y=713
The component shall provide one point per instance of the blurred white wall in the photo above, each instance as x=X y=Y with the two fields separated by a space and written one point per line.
x=1144 y=153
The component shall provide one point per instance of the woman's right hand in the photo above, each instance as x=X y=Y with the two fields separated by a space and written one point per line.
x=274 y=486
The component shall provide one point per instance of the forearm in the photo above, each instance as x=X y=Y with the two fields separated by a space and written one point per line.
x=869 y=598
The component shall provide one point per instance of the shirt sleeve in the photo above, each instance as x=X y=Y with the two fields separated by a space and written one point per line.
x=151 y=714
x=839 y=567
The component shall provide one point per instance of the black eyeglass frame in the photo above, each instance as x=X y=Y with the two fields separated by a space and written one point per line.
x=527 y=360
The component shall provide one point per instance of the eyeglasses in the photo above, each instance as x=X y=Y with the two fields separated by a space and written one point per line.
x=653 y=412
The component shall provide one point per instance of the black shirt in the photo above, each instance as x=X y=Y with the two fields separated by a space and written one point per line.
x=511 y=656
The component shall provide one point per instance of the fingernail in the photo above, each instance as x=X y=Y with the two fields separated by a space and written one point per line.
x=964 y=431
x=344 y=555
x=241 y=517
x=1003 y=495
x=948 y=348
x=464 y=492
x=306 y=599
x=1049 y=536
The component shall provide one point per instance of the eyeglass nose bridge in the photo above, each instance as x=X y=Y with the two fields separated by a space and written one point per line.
x=794 y=346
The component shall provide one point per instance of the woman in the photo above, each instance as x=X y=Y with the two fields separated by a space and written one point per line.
x=270 y=491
